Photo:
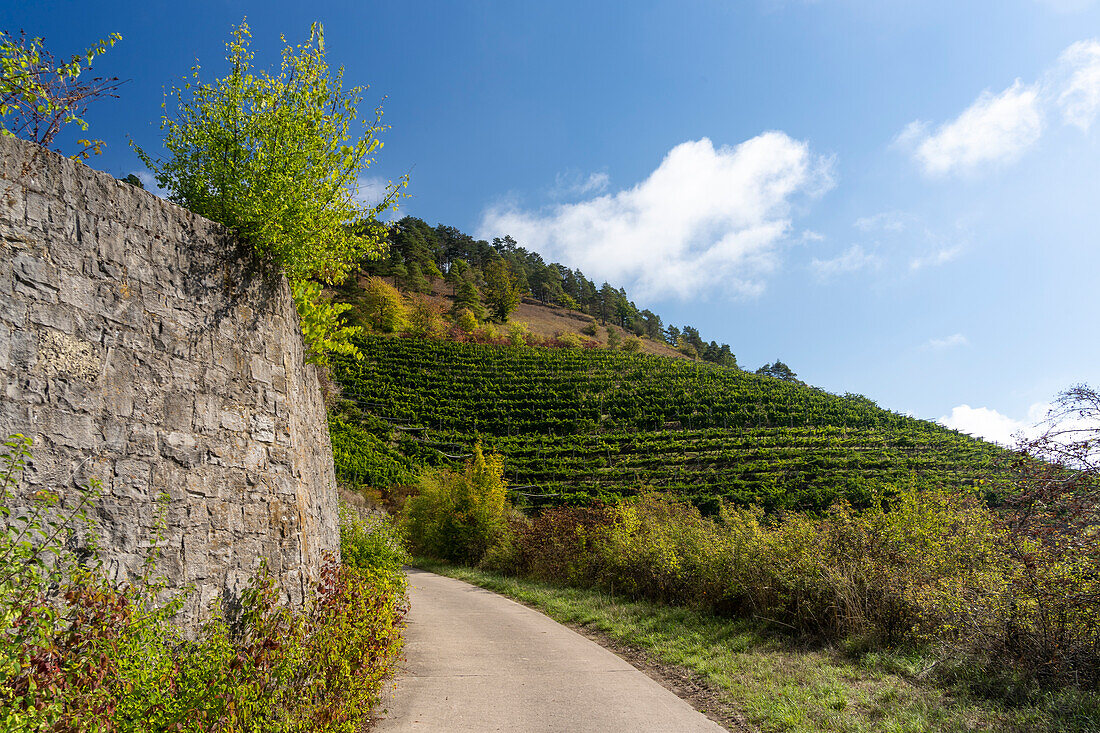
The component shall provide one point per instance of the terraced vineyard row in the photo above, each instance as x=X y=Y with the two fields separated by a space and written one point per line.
x=578 y=423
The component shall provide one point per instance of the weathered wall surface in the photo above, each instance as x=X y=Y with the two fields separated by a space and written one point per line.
x=141 y=345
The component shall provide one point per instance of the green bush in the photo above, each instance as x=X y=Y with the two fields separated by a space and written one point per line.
x=466 y=321
x=459 y=515
x=371 y=543
x=568 y=340
x=518 y=334
x=932 y=567
x=277 y=157
x=426 y=318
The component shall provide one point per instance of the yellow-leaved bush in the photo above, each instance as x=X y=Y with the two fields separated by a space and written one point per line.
x=459 y=515
x=925 y=567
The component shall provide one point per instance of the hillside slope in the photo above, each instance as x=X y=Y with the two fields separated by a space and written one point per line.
x=544 y=320
x=580 y=423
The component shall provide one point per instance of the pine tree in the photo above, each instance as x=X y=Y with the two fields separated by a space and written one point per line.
x=468 y=299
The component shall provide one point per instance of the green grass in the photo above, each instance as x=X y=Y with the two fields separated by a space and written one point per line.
x=784 y=684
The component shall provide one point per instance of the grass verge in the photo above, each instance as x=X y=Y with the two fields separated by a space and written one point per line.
x=777 y=683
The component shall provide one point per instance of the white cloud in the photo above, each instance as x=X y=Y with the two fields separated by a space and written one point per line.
x=1079 y=100
x=370 y=190
x=1067 y=6
x=150 y=183
x=569 y=185
x=955 y=339
x=901 y=234
x=851 y=260
x=887 y=221
x=999 y=128
x=941 y=256
x=987 y=423
x=982 y=422
x=707 y=218
x=996 y=128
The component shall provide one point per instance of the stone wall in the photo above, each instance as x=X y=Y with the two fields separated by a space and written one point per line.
x=142 y=345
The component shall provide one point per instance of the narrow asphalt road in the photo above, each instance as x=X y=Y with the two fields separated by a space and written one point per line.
x=480 y=662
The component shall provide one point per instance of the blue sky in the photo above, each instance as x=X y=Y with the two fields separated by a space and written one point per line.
x=898 y=199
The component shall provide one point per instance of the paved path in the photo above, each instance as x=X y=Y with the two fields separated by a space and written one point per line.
x=480 y=662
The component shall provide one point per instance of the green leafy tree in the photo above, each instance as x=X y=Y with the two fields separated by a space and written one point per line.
x=39 y=97
x=567 y=301
x=323 y=330
x=502 y=292
x=685 y=347
x=277 y=158
x=469 y=299
x=382 y=306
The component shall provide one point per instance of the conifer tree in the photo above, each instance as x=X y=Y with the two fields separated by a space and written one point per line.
x=468 y=299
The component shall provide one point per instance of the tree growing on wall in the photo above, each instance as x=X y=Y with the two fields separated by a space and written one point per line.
x=277 y=158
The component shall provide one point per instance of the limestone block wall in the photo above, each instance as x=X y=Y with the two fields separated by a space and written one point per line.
x=142 y=345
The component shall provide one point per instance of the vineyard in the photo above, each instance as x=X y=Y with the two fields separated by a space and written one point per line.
x=577 y=423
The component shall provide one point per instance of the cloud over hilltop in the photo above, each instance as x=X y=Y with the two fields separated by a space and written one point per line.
x=706 y=219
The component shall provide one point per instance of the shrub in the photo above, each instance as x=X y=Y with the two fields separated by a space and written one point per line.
x=590 y=330
x=518 y=334
x=459 y=515
x=80 y=653
x=910 y=571
x=567 y=340
x=466 y=321
x=488 y=334
x=632 y=345
x=567 y=301
x=277 y=159
x=425 y=320
x=371 y=543
x=382 y=306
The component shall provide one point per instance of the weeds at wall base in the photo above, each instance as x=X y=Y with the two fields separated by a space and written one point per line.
x=80 y=653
